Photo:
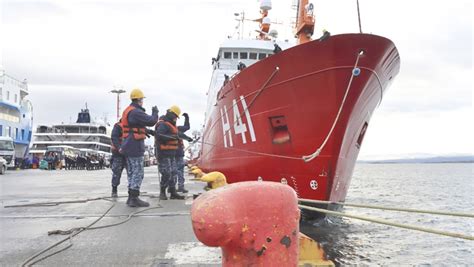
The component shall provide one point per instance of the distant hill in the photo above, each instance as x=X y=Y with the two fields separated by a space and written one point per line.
x=439 y=159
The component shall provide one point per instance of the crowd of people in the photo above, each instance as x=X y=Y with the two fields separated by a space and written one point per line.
x=128 y=149
x=86 y=162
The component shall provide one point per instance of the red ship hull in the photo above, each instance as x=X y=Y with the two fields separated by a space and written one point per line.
x=292 y=110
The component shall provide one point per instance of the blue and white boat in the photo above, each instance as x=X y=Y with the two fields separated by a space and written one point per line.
x=16 y=113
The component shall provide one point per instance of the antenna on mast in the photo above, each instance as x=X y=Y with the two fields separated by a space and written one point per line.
x=304 y=21
x=240 y=18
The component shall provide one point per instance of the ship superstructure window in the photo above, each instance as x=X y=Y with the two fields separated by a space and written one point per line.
x=8 y=95
x=261 y=55
x=227 y=55
x=243 y=55
x=253 y=55
x=235 y=55
x=8 y=117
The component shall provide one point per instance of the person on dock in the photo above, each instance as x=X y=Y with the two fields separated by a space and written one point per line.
x=180 y=153
x=166 y=144
x=118 y=160
x=134 y=122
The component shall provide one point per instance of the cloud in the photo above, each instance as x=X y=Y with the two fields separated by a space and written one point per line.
x=16 y=11
x=75 y=51
x=445 y=132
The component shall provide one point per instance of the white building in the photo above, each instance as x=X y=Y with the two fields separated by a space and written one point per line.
x=16 y=112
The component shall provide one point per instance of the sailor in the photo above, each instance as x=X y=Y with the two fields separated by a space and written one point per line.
x=118 y=160
x=166 y=143
x=241 y=65
x=134 y=122
x=277 y=49
x=180 y=153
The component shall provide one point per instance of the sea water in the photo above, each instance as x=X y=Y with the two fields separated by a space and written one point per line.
x=440 y=187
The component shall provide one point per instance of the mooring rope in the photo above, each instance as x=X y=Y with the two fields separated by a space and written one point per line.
x=385 y=222
x=27 y=261
x=355 y=72
x=55 y=203
x=75 y=231
x=242 y=150
x=447 y=213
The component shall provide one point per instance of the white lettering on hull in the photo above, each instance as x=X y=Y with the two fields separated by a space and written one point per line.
x=239 y=126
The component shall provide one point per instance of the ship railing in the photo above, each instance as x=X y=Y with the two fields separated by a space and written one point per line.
x=229 y=65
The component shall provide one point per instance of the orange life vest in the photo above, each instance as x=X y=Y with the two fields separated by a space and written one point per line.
x=139 y=133
x=120 y=137
x=170 y=144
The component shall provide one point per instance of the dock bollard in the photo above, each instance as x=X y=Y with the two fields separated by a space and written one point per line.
x=255 y=223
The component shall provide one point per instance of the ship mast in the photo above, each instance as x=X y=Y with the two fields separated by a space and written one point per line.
x=304 y=22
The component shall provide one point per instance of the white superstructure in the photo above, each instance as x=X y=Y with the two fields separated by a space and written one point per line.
x=231 y=53
x=16 y=112
x=83 y=135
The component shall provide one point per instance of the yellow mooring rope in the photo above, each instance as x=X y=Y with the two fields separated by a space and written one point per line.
x=380 y=221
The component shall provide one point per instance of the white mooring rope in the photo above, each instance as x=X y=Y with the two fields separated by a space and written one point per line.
x=380 y=221
x=447 y=213
x=355 y=72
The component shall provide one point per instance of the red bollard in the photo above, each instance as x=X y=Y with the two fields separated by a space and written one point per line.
x=255 y=223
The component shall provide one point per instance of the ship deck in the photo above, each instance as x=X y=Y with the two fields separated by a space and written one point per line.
x=157 y=237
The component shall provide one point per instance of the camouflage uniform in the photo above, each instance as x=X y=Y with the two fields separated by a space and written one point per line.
x=135 y=172
x=180 y=172
x=167 y=166
x=118 y=164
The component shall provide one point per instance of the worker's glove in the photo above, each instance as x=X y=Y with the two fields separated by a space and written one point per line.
x=189 y=139
x=154 y=110
x=186 y=116
x=150 y=133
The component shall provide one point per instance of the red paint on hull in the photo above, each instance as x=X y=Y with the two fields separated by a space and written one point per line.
x=307 y=92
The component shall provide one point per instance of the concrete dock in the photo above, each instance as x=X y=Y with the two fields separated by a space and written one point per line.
x=158 y=237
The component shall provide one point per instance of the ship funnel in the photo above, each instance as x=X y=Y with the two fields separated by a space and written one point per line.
x=83 y=116
x=265 y=5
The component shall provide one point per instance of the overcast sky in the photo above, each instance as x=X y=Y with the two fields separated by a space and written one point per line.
x=73 y=52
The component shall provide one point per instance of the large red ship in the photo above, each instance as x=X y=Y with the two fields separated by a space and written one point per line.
x=295 y=114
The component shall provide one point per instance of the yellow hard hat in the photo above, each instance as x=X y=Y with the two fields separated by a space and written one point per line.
x=136 y=94
x=175 y=109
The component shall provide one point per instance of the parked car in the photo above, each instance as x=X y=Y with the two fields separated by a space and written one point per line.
x=7 y=151
x=3 y=165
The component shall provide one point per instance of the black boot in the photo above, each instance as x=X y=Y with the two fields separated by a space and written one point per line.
x=129 y=196
x=175 y=195
x=182 y=190
x=114 y=192
x=135 y=201
x=163 y=193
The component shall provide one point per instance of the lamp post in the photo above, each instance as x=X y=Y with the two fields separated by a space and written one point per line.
x=118 y=92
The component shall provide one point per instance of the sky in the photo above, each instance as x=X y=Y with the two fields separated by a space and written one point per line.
x=74 y=52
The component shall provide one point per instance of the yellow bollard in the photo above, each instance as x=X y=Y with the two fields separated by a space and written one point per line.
x=197 y=173
x=311 y=254
x=214 y=179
